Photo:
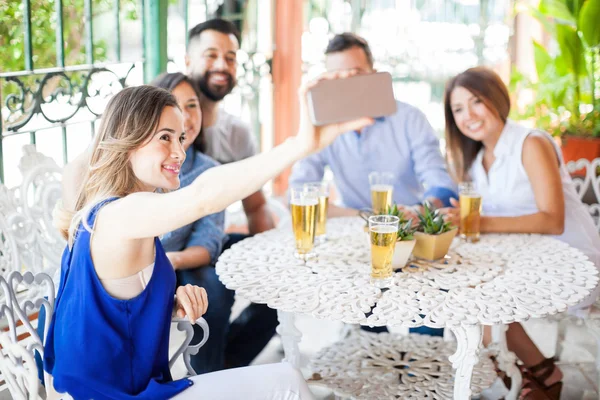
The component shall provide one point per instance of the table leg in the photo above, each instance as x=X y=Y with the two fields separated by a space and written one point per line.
x=290 y=337
x=468 y=339
x=507 y=361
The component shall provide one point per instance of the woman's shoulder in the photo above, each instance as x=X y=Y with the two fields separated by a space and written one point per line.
x=515 y=135
x=530 y=138
x=537 y=144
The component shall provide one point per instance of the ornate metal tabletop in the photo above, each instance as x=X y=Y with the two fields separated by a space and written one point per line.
x=499 y=280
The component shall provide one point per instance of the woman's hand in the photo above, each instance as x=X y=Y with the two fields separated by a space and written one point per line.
x=192 y=302
x=452 y=214
x=313 y=138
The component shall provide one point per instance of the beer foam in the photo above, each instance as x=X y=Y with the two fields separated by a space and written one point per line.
x=381 y=188
x=305 y=202
x=383 y=229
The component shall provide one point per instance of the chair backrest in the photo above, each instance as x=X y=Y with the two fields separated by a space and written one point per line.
x=26 y=216
x=37 y=196
x=13 y=233
x=19 y=337
x=588 y=185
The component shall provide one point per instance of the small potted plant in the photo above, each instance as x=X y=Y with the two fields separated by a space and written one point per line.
x=434 y=235
x=404 y=244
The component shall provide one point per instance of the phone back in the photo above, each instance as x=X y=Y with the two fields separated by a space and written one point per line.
x=340 y=100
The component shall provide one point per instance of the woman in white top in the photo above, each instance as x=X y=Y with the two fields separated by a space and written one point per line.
x=525 y=188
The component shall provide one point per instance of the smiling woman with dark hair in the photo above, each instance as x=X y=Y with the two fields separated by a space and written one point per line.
x=519 y=171
x=525 y=188
x=171 y=81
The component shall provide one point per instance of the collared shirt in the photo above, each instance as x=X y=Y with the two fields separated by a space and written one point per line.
x=229 y=139
x=208 y=231
x=403 y=143
x=506 y=190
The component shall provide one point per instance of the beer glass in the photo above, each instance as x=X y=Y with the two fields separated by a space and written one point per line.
x=304 y=201
x=323 y=205
x=383 y=231
x=470 y=211
x=381 y=191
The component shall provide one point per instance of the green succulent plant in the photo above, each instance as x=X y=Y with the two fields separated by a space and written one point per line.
x=405 y=227
x=431 y=221
x=406 y=231
x=393 y=210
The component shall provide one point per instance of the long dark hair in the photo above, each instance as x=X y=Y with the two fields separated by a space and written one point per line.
x=170 y=81
x=489 y=88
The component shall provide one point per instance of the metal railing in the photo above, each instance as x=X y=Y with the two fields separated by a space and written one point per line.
x=63 y=93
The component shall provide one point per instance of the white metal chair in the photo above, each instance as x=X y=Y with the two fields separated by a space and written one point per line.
x=20 y=339
x=30 y=252
x=587 y=187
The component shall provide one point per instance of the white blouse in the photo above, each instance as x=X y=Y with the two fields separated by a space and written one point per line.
x=506 y=190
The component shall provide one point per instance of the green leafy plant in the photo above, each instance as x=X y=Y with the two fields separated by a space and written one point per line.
x=566 y=98
x=406 y=229
x=396 y=212
x=431 y=221
x=44 y=23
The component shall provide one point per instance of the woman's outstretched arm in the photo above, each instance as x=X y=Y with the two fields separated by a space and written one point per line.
x=142 y=215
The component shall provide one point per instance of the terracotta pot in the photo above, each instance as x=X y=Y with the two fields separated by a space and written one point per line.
x=402 y=253
x=433 y=247
x=576 y=147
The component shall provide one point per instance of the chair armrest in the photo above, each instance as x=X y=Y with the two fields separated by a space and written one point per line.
x=184 y=325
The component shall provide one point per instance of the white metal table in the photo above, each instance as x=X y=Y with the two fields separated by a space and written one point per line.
x=497 y=281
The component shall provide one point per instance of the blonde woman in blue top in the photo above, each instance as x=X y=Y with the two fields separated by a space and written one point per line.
x=113 y=235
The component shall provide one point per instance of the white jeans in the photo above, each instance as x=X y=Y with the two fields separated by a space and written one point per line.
x=278 y=381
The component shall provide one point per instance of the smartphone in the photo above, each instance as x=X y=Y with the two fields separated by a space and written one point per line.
x=345 y=99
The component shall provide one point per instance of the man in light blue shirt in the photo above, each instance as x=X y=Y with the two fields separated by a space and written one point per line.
x=403 y=143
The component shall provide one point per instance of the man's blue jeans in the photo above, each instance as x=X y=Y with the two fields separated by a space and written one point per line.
x=233 y=344
x=422 y=330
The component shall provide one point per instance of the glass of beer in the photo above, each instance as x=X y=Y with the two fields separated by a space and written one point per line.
x=470 y=211
x=304 y=202
x=323 y=190
x=383 y=231
x=381 y=191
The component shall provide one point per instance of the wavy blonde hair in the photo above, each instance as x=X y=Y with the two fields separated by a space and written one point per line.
x=129 y=121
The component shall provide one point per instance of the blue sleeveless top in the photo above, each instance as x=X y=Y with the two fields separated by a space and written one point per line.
x=99 y=347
